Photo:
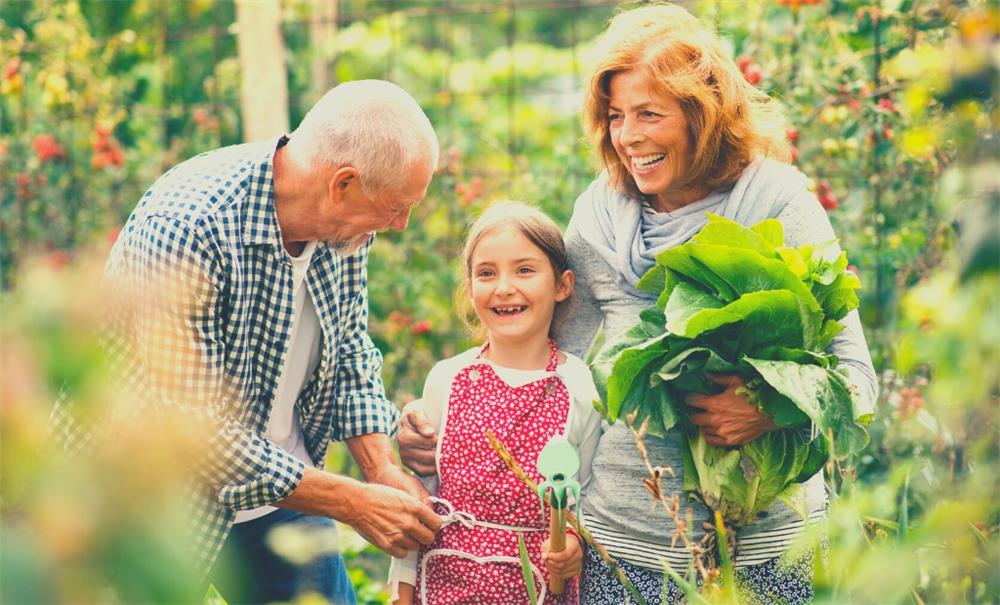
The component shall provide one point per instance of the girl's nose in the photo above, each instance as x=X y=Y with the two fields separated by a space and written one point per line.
x=504 y=286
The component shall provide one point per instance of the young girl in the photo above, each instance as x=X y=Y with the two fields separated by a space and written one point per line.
x=521 y=387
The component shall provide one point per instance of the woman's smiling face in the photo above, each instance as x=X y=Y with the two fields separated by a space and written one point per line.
x=649 y=131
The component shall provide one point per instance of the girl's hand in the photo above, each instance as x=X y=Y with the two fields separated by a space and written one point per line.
x=729 y=419
x=568 y=562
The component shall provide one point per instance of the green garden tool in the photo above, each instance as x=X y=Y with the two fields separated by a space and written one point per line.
x=558 y=463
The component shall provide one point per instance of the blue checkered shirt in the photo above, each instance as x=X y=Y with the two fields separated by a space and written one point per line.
x=212 y=342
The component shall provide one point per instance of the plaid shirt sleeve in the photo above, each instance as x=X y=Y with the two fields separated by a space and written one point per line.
x=362 y=407
x=177 y=340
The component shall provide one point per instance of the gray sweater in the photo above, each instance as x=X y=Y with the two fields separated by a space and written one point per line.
x=616 y=495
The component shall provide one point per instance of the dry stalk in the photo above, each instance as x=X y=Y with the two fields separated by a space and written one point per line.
x=702 y=550
x=515 y=467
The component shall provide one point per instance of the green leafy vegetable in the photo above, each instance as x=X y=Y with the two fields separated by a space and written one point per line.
x=736 y=300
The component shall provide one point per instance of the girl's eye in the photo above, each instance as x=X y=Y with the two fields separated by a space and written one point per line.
x=649 y=114
x=484 y=274
x=614 y=117
x=525 y=270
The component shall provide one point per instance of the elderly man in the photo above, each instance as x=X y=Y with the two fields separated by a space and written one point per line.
x=251 y=333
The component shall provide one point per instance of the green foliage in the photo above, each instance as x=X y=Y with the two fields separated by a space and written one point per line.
x=526 y=571
x=892 y=109
x=732 y=303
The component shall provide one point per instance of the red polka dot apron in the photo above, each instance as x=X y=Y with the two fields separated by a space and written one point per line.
x=475 y=559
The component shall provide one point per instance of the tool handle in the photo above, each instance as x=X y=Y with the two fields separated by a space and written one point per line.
x=557 y=543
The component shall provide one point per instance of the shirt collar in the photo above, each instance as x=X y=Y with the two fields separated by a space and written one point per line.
x=261 y=221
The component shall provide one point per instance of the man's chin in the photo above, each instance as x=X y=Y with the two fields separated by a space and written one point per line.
x=347 y=247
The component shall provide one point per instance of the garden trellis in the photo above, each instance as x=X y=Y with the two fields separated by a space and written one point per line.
x=893 y=112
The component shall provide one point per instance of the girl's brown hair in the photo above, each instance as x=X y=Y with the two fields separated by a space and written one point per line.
x=730 y=121
x=530 y=222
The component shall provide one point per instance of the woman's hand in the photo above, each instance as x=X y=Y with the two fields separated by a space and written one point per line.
x=729 y=419
x=566 y=563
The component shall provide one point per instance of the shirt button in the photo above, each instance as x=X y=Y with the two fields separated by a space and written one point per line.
x=474 y=375
x=550 y=388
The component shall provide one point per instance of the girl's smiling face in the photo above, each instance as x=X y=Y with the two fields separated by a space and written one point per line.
x=514 y=288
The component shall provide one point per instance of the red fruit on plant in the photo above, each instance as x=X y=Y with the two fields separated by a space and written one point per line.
x=23 y=186
x=753 y=74
x=828 y=202
x=887 y=133
x=476 y=186
x=116 y=156
x=795 y=153
x=824 y=193
x=743 y=62
x=422 y=327
x=47 y=148
x=792 y=134
x=885 y=103
x=399 y=318
x=13 y=66
x=100 y=160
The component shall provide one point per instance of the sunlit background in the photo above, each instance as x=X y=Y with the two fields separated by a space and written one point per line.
x=892 y=109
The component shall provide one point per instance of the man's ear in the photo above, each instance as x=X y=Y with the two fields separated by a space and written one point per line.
x=342 y=180
x=564 y=285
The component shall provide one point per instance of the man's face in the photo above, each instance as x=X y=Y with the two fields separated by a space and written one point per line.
x=381 y=212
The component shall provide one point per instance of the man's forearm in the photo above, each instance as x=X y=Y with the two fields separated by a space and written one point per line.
x=324 y=494
x=373 y=453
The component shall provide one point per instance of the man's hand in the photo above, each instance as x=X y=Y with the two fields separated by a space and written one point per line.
x=395 y=476
x=729 y=419
x=391 y=519
x=417 y=443
x=568 y=562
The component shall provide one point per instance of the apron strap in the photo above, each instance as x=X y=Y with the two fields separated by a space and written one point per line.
x=553 y=355
x=469 y=520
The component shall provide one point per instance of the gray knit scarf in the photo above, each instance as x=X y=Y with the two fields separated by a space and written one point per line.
x=629 y=235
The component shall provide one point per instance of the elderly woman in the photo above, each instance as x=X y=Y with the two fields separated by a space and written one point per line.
x=680 y=133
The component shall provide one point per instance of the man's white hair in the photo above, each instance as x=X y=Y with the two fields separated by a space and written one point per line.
x=372 y=125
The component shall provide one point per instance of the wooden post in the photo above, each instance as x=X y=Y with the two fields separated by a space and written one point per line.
x=264 y=86
x=322 y=34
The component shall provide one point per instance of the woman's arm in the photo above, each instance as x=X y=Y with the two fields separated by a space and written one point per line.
x=805 y=221
x=577 y=324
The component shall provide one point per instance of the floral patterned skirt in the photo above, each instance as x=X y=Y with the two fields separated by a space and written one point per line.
x=774 y=581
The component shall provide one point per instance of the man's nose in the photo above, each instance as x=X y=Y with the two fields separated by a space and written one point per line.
x=401 y=221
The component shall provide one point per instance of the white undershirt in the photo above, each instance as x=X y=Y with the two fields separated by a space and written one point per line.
x=283 y=427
